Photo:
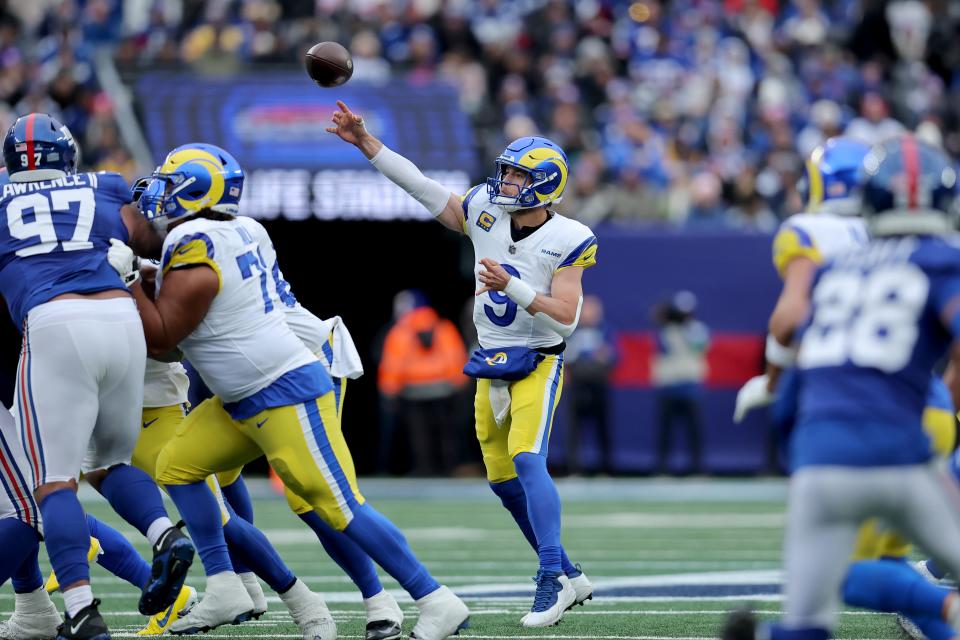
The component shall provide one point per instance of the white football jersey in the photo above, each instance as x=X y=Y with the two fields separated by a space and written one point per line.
x=558 y=244
x=243 y=344
x=164 y=384
x=818 y=236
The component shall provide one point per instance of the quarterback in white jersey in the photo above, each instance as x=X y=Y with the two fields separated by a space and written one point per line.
x=529 y=293
x=805 y=241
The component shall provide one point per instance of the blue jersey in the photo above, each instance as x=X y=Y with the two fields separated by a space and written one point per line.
x=881 y=318
x=54 y=236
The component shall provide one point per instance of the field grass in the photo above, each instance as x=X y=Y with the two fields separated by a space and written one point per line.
x=668 y=558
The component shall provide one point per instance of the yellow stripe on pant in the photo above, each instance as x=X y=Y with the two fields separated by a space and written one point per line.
x=303 y=443
x=159 y=427
x=533 y=401
x=875 y=542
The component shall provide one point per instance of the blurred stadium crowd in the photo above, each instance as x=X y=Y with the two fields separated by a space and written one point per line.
x=696 y=113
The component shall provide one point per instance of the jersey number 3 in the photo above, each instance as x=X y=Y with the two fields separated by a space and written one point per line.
x=869 y=320
x=42 y=226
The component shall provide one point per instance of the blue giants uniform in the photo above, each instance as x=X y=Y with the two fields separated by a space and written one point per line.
x=54 y=236
x=882 y=317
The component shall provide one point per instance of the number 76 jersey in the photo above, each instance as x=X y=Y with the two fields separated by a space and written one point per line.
x=558 y=244
x=243 y=344
x=881 y=318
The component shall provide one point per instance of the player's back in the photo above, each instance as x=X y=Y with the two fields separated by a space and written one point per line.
x=243 y=343
x=54 y=236
x=865 y=358
x=818 y=236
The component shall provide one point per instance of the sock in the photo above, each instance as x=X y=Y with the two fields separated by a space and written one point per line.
x=345 y=552
x=157 y=528
x=202 y=514
x=238 y=496
x=135 y=497
x=76 y=599
x=20 y=545
x=543 y=508
x=66 y=536
x=777 y=632
x=27 y=578
x=238 y=499
x=118 y=555
x=935 y=569
x=255 y=551
x=892 y=586
x=382 y=541
x=515 y=500
x=36 y=601
x=933 y=628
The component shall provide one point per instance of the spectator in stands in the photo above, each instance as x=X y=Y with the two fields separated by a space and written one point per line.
x=419 y=376
x=589 y=360
x=679 y=369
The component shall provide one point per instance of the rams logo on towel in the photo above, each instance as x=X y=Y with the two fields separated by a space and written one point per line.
x=498 y=358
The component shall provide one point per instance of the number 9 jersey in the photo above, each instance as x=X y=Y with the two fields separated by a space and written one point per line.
x=243 y=343
x=558 y=244
x=881 y=319
x=54 y=236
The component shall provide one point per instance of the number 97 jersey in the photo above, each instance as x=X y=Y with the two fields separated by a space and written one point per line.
x=881 y=319
x=558 y=244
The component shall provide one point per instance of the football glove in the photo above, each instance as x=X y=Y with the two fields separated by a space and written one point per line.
x=753 y=395
x=124 y=262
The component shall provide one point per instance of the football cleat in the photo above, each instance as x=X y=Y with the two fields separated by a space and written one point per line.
x=442 y=614
x=161 y=622
x=88 y=624
x=921 y=568
x=255 y=591
x=740 y=625
x=53 y=584
x=225 y=601
x=172 y=557
x=384 y=617
x=582 y=587
x=34 y=621
x=554 y=595
x=310 y=612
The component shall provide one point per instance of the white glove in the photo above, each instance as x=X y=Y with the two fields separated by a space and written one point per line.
x=752 y=395
x=124 y=262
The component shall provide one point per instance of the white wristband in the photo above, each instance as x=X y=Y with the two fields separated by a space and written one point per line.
x=779 y=355
x=520 y=292
x=403 y=173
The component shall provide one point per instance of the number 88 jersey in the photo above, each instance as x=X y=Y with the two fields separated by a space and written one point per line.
x=558 y=244
x=243 y=343
x=881 y=319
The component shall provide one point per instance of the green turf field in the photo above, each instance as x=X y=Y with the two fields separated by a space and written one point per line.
x=668 y=558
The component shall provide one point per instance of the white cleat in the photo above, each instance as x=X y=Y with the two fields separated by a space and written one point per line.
x=35 y=617
x=583 y=589
x=921 y=568
x=225 y=601
x=442 y=614
x=255 y=591
x=554 y=596
x=384 y=617
x=310 y=612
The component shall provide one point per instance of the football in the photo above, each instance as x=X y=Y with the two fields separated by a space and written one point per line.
x=329 y=64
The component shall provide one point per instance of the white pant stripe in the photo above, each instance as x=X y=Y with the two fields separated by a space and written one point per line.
x=325 y=470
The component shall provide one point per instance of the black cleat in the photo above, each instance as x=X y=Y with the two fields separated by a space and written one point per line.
x=383 y=630
x=740 y=625
x=88 y=624
x=172 y=557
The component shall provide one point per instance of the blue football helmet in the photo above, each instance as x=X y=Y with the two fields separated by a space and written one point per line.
x=910 y=188
x=193 y=177
x=833 y=173
x=547 y=166
x=38 y=147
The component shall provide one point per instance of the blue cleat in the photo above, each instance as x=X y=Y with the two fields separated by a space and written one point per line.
x=172 y=557
x=554 y=595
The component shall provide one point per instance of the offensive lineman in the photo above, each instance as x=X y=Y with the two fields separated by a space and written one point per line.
x=528 y=300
